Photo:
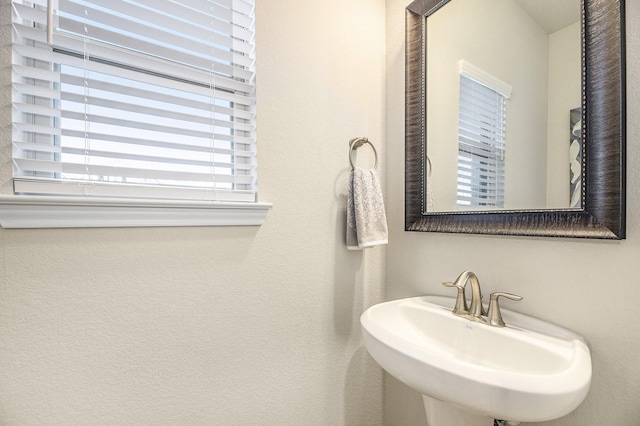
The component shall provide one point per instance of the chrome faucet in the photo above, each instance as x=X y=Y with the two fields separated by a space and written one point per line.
x=476 y=311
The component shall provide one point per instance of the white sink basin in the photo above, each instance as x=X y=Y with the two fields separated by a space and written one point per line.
x=528 y=371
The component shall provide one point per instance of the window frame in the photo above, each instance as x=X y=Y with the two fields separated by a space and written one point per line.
x=59 y=211
x=26 y=211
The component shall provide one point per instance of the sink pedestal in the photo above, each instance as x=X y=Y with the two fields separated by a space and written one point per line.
x=442 y=414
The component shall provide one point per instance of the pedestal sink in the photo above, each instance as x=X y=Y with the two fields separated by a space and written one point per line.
x=528 y=371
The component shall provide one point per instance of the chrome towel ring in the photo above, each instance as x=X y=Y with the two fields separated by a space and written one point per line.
x=356 y=143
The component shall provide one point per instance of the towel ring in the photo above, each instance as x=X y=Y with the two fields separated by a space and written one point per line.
x=356 y=143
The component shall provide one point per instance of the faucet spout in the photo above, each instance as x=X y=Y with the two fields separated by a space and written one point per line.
x=476 y=309
x=476 y=312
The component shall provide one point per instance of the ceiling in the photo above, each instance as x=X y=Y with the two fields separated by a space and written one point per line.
x=552 y=15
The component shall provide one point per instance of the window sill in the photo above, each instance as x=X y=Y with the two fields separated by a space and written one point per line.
x=22 y=211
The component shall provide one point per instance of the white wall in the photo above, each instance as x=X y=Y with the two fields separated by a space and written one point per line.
x=588 y=286
x=565 y=94
x=224 y=326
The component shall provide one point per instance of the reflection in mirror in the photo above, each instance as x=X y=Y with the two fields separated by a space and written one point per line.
x=503 y=105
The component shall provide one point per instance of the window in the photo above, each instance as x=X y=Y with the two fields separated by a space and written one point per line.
x=137 y=99
x=481 y=139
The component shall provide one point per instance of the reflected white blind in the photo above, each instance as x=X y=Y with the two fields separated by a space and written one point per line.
x=481 y=145
x=135 y=98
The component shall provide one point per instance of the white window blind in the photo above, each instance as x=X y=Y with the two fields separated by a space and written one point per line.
x=481 y=141
x=135 y=98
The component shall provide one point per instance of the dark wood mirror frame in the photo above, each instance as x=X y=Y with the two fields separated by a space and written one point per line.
x=603 y=132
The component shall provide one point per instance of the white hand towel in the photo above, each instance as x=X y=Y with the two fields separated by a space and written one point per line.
x=366 y=218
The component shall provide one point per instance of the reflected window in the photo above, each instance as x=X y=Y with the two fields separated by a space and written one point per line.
x=481 y=140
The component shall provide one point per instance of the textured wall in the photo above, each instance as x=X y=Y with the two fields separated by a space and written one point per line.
x=590 y=287
x=224 y=326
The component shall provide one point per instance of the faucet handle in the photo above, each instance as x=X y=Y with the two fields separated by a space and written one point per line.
x=461 y=307
x=494 y=315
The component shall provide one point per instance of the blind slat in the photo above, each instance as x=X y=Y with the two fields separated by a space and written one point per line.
x=116 y=108
x=164 y=69
x=237 y=148
x=177 y=99
x=157 y=174
x=102 y=189
x=469 y=168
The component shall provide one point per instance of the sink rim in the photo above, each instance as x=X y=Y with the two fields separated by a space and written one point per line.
x=478 y=386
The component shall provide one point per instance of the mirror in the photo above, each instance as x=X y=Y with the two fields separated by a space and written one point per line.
x=559 y=169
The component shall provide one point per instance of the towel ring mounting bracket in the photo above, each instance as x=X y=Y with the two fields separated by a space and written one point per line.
x=356 y=143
